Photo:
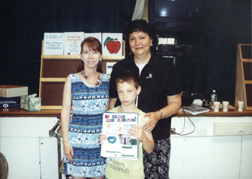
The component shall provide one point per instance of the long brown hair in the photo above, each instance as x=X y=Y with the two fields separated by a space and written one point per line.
x=95 y=45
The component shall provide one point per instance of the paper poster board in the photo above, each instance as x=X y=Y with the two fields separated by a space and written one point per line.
x=97 y=35
x=112 y=44
x=119 y=144
x=53 y=43
x=72 y=42
x=194 y=110
x=109 y=68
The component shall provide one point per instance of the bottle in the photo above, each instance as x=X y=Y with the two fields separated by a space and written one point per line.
x=213 y=98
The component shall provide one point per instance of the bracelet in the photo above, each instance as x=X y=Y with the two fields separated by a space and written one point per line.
x=161 y=114
x=64 y=140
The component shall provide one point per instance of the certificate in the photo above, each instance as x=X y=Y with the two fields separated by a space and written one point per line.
x=119 y=143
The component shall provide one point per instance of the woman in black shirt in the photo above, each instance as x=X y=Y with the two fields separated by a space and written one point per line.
x=160 y=97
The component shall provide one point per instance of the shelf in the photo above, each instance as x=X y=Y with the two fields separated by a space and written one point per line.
x=77 y=57
x=52 y=79
x=113 y=57
x=247 y=60
x=61 y=57
x=248 y=82
x=53 y=72
x=243 y=89
x=51 y=107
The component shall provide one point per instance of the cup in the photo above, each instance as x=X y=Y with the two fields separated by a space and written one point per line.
x=240 y=106
x=225 y=105
x=216 y=106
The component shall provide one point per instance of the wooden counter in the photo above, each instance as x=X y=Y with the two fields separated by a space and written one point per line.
x=16 y=112
x=211 y=113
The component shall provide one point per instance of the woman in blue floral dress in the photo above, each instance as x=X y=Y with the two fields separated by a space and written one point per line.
x=87 y=93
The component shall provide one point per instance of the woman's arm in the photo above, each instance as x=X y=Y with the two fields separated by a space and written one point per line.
x=102 y=137
x=111 y=103
x=65 y=116
x=174 y=103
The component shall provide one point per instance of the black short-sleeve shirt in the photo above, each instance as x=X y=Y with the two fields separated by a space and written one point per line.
x=158 y=80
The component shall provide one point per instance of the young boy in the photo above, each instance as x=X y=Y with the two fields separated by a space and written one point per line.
x=128 y=88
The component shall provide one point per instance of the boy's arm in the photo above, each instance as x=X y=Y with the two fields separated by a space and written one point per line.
x=144 y=136
x=148 y=142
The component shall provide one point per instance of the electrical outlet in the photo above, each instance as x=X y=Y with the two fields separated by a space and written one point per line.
x=173 y=130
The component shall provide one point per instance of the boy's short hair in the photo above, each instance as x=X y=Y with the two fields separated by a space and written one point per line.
x=129 y=77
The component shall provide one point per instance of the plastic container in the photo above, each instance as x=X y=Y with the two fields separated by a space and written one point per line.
x=213 y=98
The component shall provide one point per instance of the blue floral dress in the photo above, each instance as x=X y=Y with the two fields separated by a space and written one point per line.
x=88 y=106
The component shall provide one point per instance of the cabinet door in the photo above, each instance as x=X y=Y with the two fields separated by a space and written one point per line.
x=48 y=158
x=177 y=157
x=205 y=157
x=22 y=155
x=212 y=157
x=246 y=157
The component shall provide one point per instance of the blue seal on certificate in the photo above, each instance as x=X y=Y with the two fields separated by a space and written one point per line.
x=112 y=139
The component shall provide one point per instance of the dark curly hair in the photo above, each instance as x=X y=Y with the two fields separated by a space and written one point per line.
x=129 y=77
x=142 y=26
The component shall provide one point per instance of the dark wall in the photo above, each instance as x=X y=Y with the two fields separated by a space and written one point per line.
x=23 y=24
x=226 y=23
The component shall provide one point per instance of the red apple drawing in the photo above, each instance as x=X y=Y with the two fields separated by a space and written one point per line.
x=113 y=45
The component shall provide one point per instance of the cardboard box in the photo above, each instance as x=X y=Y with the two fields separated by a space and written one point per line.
x=9 y=102
x=9 y=91
x=30 y=103
x=9 y=109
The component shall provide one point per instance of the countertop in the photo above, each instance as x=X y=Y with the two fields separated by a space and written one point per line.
x=16 y=112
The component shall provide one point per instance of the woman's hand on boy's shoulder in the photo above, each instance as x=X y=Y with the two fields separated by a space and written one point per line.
x=153 y=120
x=144 y=121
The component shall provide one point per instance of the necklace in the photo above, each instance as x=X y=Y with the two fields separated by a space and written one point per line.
x=90 y=83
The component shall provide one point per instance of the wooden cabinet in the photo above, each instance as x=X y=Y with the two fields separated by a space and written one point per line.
x=243 y=90
x=53 y=72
